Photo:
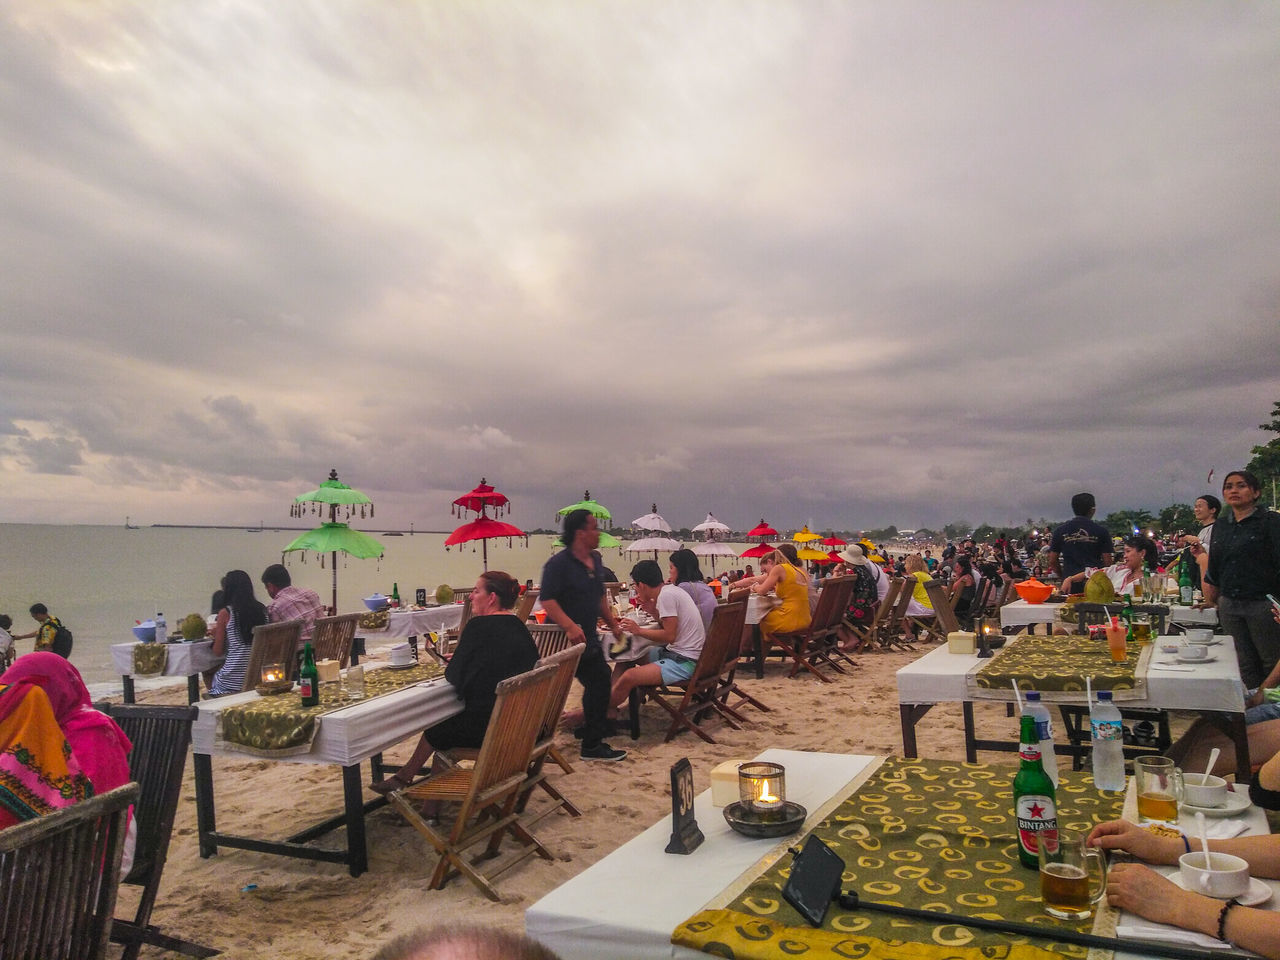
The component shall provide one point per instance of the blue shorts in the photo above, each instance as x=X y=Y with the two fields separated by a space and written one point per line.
x=674 y=669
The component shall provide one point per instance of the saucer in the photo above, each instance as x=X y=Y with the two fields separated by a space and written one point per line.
x=1257 y=893
x=401 y=666
x=1208 y=659
x=1236 y=803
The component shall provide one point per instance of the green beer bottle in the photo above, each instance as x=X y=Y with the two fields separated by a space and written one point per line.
x=1035 y=805
x=1186 y=590
x=309 y=677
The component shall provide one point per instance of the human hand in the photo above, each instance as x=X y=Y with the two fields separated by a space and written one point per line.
x=628 y=625
x=575 y=635
x=1132 y=839
x=1139 y=889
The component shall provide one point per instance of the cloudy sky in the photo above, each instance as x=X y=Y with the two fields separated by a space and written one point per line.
x=850 y=263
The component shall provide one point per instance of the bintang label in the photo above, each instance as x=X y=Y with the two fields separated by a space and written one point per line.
x=1035 y=813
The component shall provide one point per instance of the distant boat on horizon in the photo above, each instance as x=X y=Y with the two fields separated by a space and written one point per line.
x=128 y=525
x=257 y=529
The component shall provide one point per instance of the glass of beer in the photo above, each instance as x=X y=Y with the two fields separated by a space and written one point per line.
x=1064 y=874
x=1159 y=787
x=1142 y=627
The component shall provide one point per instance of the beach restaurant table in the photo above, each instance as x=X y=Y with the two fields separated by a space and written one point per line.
x=627 y=904
x=1214 y=689
x=346 y=737
x=417 y=623
x=1019 y=613
x=186 y=659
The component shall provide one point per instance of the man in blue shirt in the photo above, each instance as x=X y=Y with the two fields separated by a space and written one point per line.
x=1080 y=542
x=573 y=594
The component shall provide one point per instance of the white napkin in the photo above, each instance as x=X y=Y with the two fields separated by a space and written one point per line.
x=1131 y=926
x=1223 y=829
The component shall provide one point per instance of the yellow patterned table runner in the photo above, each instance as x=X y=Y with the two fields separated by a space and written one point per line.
x=280 y=726
x=150 y=659
x=1056 y=666
x=927 y=834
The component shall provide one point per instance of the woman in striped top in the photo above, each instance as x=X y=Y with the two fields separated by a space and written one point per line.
x=233 y=633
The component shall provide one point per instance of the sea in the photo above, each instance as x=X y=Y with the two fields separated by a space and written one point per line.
x=101 y=580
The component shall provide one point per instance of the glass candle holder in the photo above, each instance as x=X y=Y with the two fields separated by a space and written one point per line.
x=762 y=788
x=273 y=673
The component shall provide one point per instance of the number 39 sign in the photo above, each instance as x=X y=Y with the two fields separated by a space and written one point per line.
x=685 y=835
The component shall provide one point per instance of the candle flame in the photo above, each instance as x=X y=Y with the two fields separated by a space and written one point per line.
x=765 y=795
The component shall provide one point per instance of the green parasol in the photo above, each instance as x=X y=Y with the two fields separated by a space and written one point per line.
x=606 y=540
x=586 y=503
x=333 y=536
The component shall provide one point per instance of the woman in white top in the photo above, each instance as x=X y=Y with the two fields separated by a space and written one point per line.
x=1206 y=509
x=1126 y=573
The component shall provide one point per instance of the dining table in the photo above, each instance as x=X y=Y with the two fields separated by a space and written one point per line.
x=1020 y=613
x=188 y=659
x=342 y=732
x=416 y=622
x=1156 y=680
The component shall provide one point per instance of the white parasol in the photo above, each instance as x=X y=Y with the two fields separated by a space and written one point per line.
x=712 y=527
x=652 y=521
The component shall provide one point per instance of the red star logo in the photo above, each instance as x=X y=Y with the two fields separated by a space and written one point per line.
x=1036 y=811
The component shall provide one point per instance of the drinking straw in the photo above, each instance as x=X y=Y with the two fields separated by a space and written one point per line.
x=1017 y=694
x=1088 y=691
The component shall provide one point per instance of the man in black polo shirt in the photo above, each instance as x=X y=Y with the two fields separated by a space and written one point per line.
x=573 y=594
x=1080 y=542
x=1244 y=566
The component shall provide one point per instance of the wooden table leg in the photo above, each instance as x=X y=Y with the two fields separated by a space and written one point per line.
x=909 y=713
x=206 y=820
x=970 y=747
x=757 y=638
x=193 y=688
x=128 y=689
x=353 y=801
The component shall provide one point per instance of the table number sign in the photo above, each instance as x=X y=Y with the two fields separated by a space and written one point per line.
x=685 y=835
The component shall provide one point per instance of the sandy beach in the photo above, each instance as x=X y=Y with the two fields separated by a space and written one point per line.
x=306 y=910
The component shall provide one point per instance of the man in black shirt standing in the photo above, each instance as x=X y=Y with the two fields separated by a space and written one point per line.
x=1081 y=542
x=1244 y=566
x=573 y=594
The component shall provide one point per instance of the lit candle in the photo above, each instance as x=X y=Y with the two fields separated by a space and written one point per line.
x=272 y=672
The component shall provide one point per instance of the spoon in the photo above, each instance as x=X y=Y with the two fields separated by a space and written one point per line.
x=1208 y=770
x=1202 y=828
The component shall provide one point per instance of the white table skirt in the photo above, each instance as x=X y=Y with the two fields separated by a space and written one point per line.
x=939 y=677
x=352 y=734
x=409 y=623
x=1019 y=613
x=627 y=904
x=183 y=659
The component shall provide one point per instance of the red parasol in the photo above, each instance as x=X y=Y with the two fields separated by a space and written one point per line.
x=759 y=550
x=831 y=557
x=833 y=541
x=483 y=528
x=762 y=529
x=479 y=498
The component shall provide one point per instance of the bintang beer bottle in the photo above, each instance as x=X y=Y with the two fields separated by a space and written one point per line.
x=309 y=678
x=1035 y=804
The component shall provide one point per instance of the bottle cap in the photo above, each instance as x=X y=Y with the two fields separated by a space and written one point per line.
x=1033 y=696
x=1104 y=696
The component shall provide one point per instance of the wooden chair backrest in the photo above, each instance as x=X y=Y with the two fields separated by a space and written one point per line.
x=887 y=606
x=1095 y=613
x=466 y=613
x=331 y=637
x=981 y=598
x=724 y=637
x=524 y=606
x=566 y=664
x=944 y=614
x=907 y=590
x=549 y=638
x=273 y=643
x=841 y=589
x=1009 y=593
x=58 y=879
x=518 y=711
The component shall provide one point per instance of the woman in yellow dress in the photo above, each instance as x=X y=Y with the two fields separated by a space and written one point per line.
x=781 y=575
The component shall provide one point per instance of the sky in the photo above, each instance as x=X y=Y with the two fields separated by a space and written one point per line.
x=848 y=264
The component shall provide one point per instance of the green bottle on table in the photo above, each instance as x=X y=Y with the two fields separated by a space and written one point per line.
x=1035 y=802
x=395 y=595
x=309 y=678
x=1186 y=590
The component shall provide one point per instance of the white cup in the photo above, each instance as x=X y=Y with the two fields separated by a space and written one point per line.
x=1195 y=651
x=1199 y=635
x=1201 y=790
x=1227 y=876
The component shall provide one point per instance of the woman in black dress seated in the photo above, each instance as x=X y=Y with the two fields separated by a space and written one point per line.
x=494 y=646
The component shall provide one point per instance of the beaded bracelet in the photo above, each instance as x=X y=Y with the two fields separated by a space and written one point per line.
x=1222 y=918
x=1186 y=843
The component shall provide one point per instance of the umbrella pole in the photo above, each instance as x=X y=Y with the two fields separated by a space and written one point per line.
x=334 y=570
x=484 y=552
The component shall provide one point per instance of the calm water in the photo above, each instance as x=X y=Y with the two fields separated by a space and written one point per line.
x=100 y=580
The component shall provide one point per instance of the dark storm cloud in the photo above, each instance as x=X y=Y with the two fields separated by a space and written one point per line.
x=851 y=264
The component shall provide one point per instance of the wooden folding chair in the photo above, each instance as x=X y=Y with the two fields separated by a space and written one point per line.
x=943 y=621
x=160 y=736
x=895 y=632
x=708 y=689
x=488 y=791
x=273 y=643
x=524 y=606
x=549 y=638
x=58 y=879
x=811 y=647
x=872 y=634
x=331 y=637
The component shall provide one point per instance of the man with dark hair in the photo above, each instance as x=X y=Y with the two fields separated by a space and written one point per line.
x=46 y=632
x=289 y=602
x=452 y=942
x=1080 y=542
x=573 y=594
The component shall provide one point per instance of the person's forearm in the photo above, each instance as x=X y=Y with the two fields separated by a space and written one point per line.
x=1209 y=591
x=1263 y=853
x=556 y=613
x=1250 y=929
x=606 y=611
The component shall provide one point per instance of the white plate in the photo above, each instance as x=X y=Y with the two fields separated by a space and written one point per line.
x=1209 y=659
x=1257 y=893
x=400 y=666
x=1237 y=802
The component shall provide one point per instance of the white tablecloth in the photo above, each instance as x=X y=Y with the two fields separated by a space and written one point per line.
x=410 y=623
x=1019 y=613
x=939 y=677
x=627 y=904
x=352 y=734
x=183 y=659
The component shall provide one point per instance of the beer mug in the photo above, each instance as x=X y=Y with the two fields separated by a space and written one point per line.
x=1159 y=789
x=1064 y=874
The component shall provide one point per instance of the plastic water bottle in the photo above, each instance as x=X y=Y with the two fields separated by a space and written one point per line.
x=1044 y=727
x=1108 y=743
x=162 y=628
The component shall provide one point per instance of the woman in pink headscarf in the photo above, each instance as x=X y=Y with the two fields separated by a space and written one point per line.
x=98 y=745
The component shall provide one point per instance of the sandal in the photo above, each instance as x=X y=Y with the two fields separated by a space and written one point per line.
x=389 y=784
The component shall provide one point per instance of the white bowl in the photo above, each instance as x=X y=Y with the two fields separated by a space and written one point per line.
x=1200 y=790
x=1195 y=651
x=1227 y=876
